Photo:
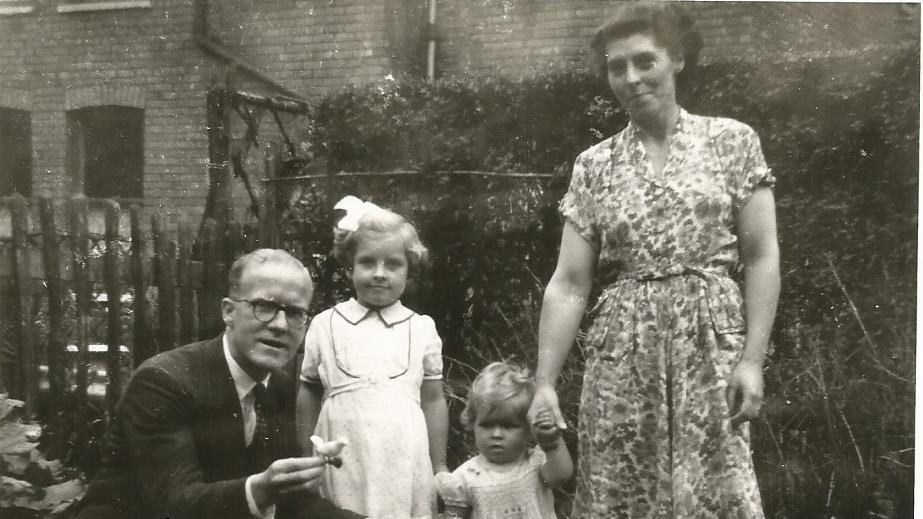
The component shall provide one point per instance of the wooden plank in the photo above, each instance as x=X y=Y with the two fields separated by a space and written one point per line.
x=212 y=284
x=165 y=255
x=184 y=281
x=234 y=242
x=113 y=287
x=141 y=340
x=268 y=224
x=57 y=368
x=27 y=389
x=80 y=244
x=95 y=268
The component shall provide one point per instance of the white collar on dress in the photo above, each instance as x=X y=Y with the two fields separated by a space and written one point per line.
x=353 y=312
x=243 y=382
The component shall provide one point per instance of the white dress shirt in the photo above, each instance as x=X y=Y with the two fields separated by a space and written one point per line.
x=244 y=385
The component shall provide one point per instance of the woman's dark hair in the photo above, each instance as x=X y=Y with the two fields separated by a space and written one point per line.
x=668 y=23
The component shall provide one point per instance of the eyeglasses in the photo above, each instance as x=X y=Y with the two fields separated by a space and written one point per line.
x=266 y=311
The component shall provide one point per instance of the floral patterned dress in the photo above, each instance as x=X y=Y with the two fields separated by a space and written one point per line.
x=655 y=438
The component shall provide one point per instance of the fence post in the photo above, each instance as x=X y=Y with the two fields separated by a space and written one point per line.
x=28 y=363
x=212 y=289
x=81 y=251
x=184 y=281
x=165 y=255
x=113 y=285
x=142 y=345
x=57 y=370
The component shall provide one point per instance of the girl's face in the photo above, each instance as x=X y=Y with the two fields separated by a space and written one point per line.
x=379 y=272
x=501 y=436
x=642 y=74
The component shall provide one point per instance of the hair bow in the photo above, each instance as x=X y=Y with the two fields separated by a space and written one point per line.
x=355 y=210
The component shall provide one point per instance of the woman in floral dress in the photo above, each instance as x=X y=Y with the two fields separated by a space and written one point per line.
x=661 y=215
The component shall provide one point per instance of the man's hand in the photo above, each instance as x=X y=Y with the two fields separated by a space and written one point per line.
x=286 y=476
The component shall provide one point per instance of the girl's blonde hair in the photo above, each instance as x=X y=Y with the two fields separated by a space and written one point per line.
x=377 y=221
x=498 y=387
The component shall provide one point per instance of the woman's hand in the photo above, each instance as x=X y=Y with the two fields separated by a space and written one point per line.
x=745 y=392
x=546 y=400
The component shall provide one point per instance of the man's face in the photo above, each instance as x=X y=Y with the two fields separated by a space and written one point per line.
x=258 y=346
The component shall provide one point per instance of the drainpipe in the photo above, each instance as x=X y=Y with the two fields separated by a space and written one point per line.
x=201 y=36
x=431 y=45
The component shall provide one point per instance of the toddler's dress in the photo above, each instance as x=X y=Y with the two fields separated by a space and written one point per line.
x=372 y=364
x=512 y=491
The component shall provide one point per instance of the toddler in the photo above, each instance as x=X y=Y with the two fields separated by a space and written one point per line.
x=507 y=479
x=372 y=375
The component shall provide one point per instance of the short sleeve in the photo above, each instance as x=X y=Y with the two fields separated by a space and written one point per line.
x=577 y=206
x=452 y=488
x=426 y=333
x=311 y=363
x=752 y=172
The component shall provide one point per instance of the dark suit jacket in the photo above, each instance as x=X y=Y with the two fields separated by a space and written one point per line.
x=175 y=448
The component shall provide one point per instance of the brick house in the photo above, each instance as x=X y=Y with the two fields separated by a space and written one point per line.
x=108 y=97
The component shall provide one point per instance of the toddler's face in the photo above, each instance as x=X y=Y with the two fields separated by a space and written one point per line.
x=379 y=272
x=501 y=436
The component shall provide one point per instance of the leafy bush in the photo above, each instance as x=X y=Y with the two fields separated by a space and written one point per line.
x=837 y=433
x=31 y=487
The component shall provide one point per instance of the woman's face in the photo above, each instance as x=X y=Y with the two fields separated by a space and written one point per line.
x=642 y=74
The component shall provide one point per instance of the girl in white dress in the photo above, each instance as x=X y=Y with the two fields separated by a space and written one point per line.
x=372 y=375
x=507 y=479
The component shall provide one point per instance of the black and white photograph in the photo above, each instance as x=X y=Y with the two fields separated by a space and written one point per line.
x=458 y=259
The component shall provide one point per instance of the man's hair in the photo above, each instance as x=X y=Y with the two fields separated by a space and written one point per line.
x=258 y=257
x=498 y=387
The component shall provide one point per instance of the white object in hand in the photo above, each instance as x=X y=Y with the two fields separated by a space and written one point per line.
x=330 y=450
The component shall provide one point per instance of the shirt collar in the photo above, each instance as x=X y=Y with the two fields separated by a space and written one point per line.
x=243 y=383
x=353 y=312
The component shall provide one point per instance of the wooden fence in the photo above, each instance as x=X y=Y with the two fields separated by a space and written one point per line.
x=55 y=255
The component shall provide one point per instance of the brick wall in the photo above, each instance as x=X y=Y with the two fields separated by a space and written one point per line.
x=52 y=61
x=142 y=57
x=311 y=47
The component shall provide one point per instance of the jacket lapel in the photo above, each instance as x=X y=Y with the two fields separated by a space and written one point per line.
x=223 y=429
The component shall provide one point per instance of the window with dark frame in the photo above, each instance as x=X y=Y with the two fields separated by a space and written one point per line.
x=15 y=152
x=106 y=151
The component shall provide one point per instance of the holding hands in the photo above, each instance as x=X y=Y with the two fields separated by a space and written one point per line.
x=545 y=406
x=545 y=430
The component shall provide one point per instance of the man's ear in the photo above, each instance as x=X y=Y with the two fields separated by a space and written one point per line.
x=227 y=311
x=678 y=65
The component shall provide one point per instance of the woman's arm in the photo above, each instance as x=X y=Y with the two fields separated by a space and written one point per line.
x=759 y=253
x=307 y=409
x=432 y=400
x=562 y=310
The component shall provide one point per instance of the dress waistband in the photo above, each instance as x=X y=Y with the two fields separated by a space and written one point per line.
x=723 y=296
x=705 y=272
x=366 y=382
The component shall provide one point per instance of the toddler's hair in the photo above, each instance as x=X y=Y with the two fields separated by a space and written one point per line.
x=382 y=221
x=499 y=386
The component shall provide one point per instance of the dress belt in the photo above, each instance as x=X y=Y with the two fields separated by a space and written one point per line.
x=366 y=382
x=722 y=294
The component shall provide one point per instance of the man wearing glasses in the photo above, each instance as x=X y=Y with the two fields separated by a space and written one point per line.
x=207 y=430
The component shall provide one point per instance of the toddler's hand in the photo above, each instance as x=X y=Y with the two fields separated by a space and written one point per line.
x=545 y=431
x=330 y=450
